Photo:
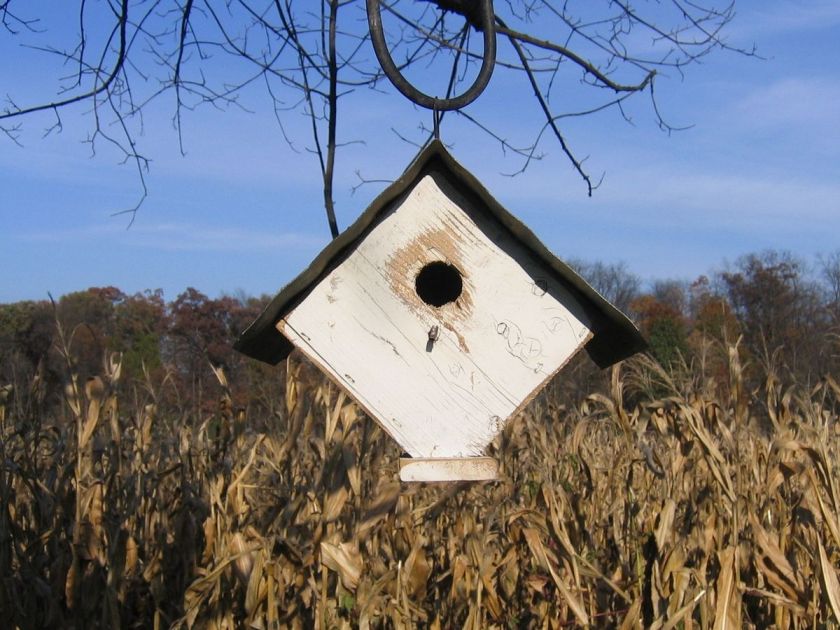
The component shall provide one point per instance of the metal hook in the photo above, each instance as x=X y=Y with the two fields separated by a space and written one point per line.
x=434 y=335
x=380 y=47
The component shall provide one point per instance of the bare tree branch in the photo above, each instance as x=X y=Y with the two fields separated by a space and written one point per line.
x=552 y=121
x=329 y=204
x=122 y=21
x=306 y=57
x=587 y=66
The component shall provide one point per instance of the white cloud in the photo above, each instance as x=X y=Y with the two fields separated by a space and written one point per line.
x=179 y=237
x=748 y=200
x=811 y=101
x=764 y=18
x=642 y=192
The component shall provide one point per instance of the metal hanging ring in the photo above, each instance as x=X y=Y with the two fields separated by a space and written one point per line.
x=393 y=73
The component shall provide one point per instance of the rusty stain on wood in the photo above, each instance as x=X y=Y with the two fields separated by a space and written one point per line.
x=432 y=244
x=462 y=343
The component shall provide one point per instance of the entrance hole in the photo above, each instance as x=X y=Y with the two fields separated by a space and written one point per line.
x=438 y=283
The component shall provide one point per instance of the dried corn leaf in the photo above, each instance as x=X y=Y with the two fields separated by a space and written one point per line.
x=416 y=571
x=345 y=560
x=71 y=584
x=537 y=583
x=714 y=458
x=540 y=553
x=679 y=616
x=252 y=594
x=333 y=416
x=351 y=464
x=334 y=503
x=633 y=619
x=382 y=505
x=829 y=581
x=557 y=523
x=775 y=599
x=72 y=397
x=774 y=565
x=509 y=573
x=491 y=598
x=271 y=598
x=679 y=584
x=728 y=606
x=674 y=564
x=209 y=539
x=111 y=411
x=666 y=523
x=92 y=419
x=243 y=561
x=130 y=555
x=829 y=518
x=460 y=585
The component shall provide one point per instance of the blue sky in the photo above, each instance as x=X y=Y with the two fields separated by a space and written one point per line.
x=760 y=168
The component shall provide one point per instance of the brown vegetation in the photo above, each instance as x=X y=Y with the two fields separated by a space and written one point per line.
x=704 y=494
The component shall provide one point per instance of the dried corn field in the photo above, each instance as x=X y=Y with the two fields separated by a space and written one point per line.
x=672 y=499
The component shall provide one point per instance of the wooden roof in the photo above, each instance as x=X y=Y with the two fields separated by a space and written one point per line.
x=615 y=337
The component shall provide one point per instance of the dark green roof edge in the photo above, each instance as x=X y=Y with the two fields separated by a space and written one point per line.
x=615 y=337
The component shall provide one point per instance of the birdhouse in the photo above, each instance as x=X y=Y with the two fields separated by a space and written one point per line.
x=441 y=315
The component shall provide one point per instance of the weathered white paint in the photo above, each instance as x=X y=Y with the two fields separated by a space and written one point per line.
x=511 y=329
x=449 y=469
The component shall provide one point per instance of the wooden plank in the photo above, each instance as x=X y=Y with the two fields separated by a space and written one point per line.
x=438 y=469
x=511 y=328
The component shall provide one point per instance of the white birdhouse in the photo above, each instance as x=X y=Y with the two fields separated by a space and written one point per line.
x=442 y=316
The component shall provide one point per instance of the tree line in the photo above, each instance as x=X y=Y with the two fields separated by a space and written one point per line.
x=783 y=315
x=780 y=313
x=167 y=349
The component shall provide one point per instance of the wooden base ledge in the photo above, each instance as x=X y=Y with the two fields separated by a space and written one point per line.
x=434 y=469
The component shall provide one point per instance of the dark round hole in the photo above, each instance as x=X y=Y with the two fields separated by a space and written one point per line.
x=438 y=283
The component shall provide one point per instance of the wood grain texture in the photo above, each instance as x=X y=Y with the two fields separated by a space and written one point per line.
x=512 y=327
x=448 y=469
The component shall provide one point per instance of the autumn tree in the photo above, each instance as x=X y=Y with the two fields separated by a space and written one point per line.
x=830 y=271
x=26 y=337
x=614 y=281
x=89 y=319
x=139 y=326
x=780 y=312
x=200 y=335
x=111 y=60
x=711 y=314
x=25 y=327
x=660 y=316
